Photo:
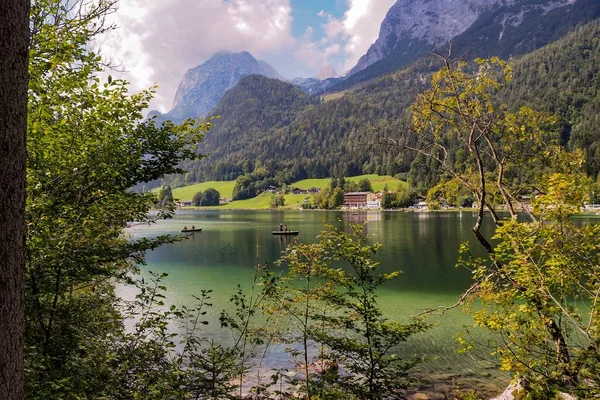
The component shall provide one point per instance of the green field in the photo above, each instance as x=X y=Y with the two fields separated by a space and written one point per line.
x=378 y=182
x=292 y=201
x=263 y=201
x=185 y=193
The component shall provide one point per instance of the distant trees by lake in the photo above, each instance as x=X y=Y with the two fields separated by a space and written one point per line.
x=210 y=197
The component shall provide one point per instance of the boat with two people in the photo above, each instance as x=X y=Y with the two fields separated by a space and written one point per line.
x=192 y=229
x=283 y=230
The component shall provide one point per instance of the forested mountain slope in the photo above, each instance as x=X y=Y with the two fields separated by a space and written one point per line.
x=295 y=137
x=251 y=114
x=564 y=78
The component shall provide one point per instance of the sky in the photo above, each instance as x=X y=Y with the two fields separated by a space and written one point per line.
x=157 y=41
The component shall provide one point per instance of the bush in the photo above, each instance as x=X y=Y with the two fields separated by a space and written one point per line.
x=197 y=199
x=277 y=200
x=211 y=197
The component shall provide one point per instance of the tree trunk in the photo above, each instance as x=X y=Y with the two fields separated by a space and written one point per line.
x=14 y=39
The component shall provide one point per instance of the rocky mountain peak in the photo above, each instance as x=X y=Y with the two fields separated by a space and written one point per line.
x=327 y=71
x=413 y=22
x=203 y=86
x=413 y=28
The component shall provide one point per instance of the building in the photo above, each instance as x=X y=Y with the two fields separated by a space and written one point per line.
x=300 y=191
x=374 y=200
x=356 y=199
x=420 y=203
x=314 y=190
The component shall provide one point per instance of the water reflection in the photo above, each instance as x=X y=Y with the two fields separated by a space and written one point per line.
x=422 y=245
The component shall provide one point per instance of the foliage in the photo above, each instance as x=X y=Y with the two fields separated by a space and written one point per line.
x=294 y=297
x=400 y=199
x=165 y=198
x=351 y=187
x=248 y=334
x=143 y=361
x=327 y=199
x=336 y=199
x=251 y=185
x=197 y=199
x=210 y=197
x=544 y=290
x=336 y=308
x=387 y=200
x=539 y=281
x=560 y=78
x=277 y=200
x=365 y=348
x=87 y=146
x=479 y=145
x=365 y=186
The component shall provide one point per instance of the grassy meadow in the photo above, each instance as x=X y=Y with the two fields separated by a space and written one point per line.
x=292 y=201
x=378 y=182
x=186 y=193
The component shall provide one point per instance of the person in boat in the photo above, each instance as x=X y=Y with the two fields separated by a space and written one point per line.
x=185 y=227
x=193 y=227
x=286 y=228
x=280 y=227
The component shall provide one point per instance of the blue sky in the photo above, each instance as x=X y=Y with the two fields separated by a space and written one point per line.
x=158 y=40
x=305 y=13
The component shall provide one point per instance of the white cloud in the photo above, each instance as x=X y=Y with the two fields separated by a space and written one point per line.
x=362 y=22
x=350 y=35
x=157 y=41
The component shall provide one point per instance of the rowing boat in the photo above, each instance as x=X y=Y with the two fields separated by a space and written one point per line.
x=191 y=230
x=286 y=232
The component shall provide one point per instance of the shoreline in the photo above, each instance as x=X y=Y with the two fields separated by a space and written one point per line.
x=584 y=214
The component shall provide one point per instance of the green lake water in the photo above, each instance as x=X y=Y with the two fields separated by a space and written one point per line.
x=423 y=245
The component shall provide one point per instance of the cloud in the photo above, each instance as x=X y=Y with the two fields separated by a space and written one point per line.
x=350 y=35
x=157 y=41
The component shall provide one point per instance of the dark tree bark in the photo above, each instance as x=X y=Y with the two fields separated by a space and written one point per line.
x=14 y=39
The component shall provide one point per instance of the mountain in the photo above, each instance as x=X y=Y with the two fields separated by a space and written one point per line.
x=327 y=71
x=203 y=86
x=564 y=78
x=294 y=136
x=325 y=78
x=476 y=28
x=252 y=115
x=413 y=27
x=315 y=86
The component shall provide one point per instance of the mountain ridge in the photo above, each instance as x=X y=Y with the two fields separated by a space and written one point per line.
x=507 y=28
x=203 y=86
x=339 y=137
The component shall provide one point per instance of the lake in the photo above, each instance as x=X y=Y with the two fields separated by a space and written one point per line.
x=423 y=245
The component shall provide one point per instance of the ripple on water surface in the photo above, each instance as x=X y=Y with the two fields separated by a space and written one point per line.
x=424 y=246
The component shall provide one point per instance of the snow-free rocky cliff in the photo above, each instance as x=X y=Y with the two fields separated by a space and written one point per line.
x=410 y=30
x=203 y=86
x=417 y=26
